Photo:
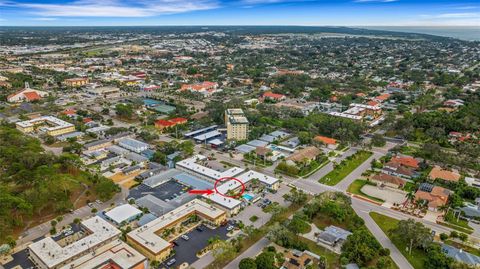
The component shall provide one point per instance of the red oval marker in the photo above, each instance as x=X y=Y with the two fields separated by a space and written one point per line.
x=226 y=179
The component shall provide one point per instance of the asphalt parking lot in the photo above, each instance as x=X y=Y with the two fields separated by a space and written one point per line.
x=167 y=191
x=186 y=251
x=20 y=259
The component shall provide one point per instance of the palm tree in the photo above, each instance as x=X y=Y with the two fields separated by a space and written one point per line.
x=410 y=196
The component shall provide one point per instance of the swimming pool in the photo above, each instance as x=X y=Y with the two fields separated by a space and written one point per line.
x=247 y=196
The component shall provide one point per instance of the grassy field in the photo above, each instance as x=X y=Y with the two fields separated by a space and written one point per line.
x=345 y=168
x=356 y=188
x=417 y=258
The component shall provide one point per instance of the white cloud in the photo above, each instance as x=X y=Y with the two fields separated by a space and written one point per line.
x=44 y=19
x=115 y=8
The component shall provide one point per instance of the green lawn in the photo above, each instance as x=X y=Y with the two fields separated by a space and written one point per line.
x=450 y=218
x=417 y=258
x=333 y=259
x=313 y=169
x=345 y=168
x=356 y=188
x=458 y=228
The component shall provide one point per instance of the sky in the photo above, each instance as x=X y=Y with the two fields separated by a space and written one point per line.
x=240 y=12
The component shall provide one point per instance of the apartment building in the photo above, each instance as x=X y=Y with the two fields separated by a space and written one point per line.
x=237 y=124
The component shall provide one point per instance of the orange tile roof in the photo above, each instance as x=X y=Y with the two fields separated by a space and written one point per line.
x=273 y=95
x=383 y=97
x=178 y=120
x=164 y=123
x=31 y=96
x=439 y=173
x=325 y=140
x=406 y=161
x=372 y=103
x=389 y=179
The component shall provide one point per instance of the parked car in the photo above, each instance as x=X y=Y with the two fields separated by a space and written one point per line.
x=171 y=262
x=90 y=204
x=229 y=228
x=200 y=229
x=185 y=237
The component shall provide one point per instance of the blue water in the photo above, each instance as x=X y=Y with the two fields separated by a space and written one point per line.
x=461 y=32
x=151 y=102
x=247 y=196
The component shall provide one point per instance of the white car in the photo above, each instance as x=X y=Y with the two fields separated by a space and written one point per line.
x=229 y=228
x=185 y=237
x=170 y=262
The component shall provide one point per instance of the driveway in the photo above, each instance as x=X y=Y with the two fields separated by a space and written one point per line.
x=389 y=196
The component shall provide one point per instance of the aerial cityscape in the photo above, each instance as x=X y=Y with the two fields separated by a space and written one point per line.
x=251 y=134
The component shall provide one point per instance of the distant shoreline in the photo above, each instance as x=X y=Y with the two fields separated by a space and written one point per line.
x=464 y=33
x=468 y=33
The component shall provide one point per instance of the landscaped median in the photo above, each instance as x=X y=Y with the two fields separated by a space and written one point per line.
x=345 y=168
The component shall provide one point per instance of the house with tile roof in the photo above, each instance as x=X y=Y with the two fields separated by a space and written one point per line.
x=389 y=180
x=26 y=95
x=444 y=174
x=273 y=96
x=434 y=195
x=330 y=143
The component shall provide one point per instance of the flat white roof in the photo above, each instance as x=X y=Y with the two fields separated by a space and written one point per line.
x=58 y=123
x=344 y=115
x=146 y=235
x=123 y=213
x=191 y=164
x=52 y=254
x=226 y=202
x=117 y=251
x=248 y=176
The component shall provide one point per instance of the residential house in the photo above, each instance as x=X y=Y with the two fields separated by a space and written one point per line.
x=396 y=169
x=434 y=195
x=295 y=259
x=461 y=255
x=273 y=96
x=443 y=174
x=327 y=141
x=406 y=161
x=389 y=180
x=333 y=236
x=165 y=124
x=307 y=155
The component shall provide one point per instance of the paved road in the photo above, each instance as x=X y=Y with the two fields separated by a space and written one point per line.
x=357 y=173
x=203 y=261
x=329 y=166
x=396 y=255
x=249 y=253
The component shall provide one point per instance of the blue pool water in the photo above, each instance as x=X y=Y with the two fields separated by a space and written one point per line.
x=151 y=102
x=247 y=197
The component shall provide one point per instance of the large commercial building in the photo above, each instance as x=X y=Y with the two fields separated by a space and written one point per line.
x=237 y=124
x=114 y=255
x=194 y=167
x=231 y=205
x=49 y=254
x=105 y=92
x=46 y=124
x=148 y=238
